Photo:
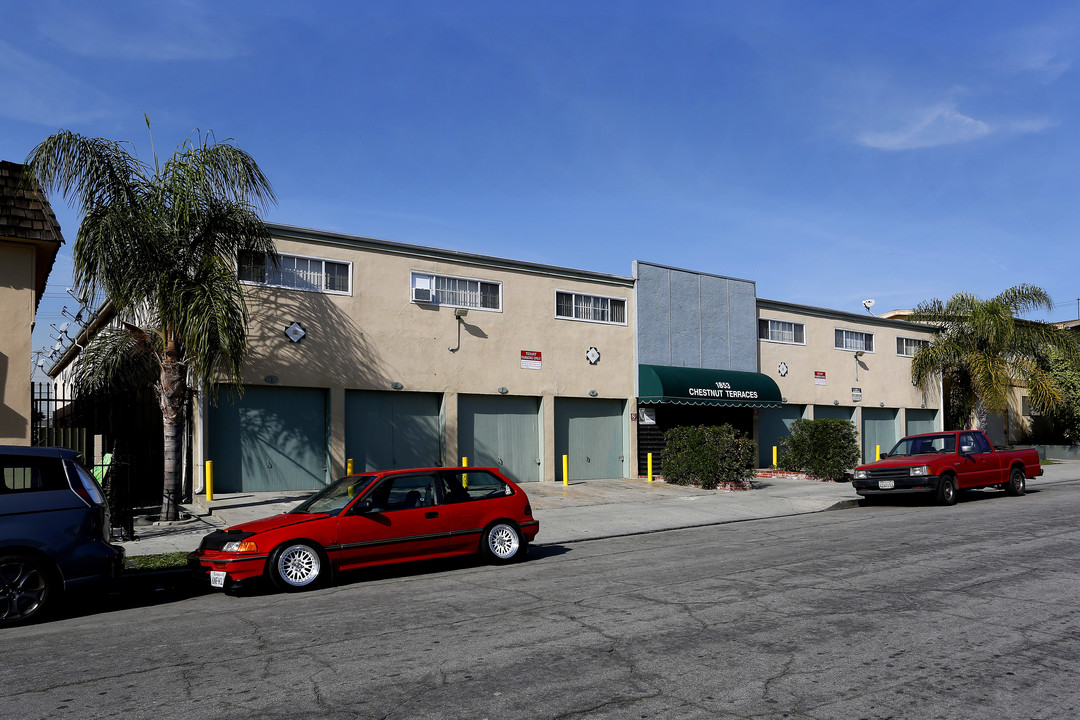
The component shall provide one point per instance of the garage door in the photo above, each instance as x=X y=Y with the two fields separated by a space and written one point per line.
x=879 y=428
x=590 y=433
x=386 y=430
x=773 y=425
x=920 y=421
x=269 y=439
x=501 y=432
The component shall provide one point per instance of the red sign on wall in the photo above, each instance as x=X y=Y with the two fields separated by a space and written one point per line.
x=819 y=377
x=530 y=360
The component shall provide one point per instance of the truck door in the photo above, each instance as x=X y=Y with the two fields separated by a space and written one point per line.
x=978 y=466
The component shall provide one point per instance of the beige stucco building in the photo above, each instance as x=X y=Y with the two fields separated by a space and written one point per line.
x=857 y=367
x=29 y=240
x=393 y=355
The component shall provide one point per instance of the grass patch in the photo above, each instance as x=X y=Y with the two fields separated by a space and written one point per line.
x=161 y=561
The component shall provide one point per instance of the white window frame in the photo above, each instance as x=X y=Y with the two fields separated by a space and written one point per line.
x=423 y=280
x=918 y=341
x=873 y=341
x=310 y=258
x=793 y=324
x=574 y=294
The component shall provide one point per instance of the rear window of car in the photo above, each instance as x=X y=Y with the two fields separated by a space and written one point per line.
x=31 y=474
x=466 y=485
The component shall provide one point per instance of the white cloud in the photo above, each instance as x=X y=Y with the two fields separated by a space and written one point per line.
x=38 y=92
x=144 y=31
x=935 y=126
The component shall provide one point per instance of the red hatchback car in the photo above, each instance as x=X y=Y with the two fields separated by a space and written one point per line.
x=374 y=519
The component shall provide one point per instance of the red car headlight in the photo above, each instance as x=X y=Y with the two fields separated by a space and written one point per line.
x=241 y=546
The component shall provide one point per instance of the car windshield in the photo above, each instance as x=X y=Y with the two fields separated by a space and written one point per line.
x=332 y=499
x=924 y=444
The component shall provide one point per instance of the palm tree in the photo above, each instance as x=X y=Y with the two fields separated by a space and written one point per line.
x=984 y=349
x=159 y=244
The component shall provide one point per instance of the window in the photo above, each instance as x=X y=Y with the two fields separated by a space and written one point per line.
x=853 y=340
x=463 y=486
x=782 y=332
x=22 y=474
x=1027 y=409
x=456 y=291
x=403 y=492
x=594 y=308
x=907 y=347
x=295 y=272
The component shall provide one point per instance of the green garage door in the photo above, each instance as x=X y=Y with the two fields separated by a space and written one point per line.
x=502 y=432
x=879 y=427
x=387 y=430
x=774 y=424
x=271 y=438
x=590 y=433
x=920 y=421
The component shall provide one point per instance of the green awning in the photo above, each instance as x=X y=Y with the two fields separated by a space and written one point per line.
x=698 y=386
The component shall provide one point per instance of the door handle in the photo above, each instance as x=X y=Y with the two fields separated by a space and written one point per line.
x=431 y=515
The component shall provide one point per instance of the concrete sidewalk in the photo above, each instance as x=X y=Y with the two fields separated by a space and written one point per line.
x=583 y=510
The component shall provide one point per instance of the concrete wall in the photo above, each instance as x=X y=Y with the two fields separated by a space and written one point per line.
x=16 y=318
x=377 y=335
x=690 y=319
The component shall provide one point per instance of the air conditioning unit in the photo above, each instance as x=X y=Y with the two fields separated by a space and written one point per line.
x=421 y=294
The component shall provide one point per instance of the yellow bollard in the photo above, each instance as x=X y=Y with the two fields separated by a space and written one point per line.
x=650 y=466
x=465 y=476
x=348 y=466
x=565 y=470
x=877 y=452
x=774 y=457
x=209 y=481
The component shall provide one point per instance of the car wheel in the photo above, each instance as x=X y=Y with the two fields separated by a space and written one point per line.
x=947 y=490
x=502 y=543
x=1017 y=483
x=25 y=589
x=296 y=566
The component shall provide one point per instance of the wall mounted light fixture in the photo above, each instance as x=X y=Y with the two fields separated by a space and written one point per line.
x=593 y=393
x=396 y=385
x=503 y=391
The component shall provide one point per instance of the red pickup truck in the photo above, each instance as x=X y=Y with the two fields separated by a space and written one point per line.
x=945 y=463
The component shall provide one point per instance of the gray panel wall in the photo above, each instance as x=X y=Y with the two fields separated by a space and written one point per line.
x=689 y=319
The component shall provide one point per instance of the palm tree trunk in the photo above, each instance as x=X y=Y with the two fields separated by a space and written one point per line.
x=171 y=396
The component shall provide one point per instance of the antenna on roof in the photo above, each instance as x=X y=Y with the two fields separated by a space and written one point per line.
x=869 y=303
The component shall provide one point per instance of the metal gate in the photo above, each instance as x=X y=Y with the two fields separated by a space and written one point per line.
x=590 y=433
x=385 y=430
x=502 y=432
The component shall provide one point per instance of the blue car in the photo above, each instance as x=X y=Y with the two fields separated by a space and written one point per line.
x=54 y=530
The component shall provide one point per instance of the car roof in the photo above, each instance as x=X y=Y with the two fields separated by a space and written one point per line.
x=32 y=451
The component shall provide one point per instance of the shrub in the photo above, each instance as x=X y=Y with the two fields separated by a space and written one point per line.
x=827 y=448
x=707 y=456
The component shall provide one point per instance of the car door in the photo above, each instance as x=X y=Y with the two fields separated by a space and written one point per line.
x=397 y=519
x=979 y=466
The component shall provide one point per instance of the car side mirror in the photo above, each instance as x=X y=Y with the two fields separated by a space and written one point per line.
x=362 y=506
x=967 y=449
x=884 y=455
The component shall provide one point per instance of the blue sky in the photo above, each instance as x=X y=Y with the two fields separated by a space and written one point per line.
x=831 y=152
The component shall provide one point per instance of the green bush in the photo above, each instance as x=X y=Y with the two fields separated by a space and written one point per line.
x=706 y=456
x=827 y=448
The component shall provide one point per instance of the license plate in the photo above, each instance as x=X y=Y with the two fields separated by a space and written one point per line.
x=217 y=578
x=886 y=484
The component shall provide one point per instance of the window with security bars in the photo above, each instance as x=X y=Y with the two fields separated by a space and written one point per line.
x=782 y=332
x=854 y=340
x=591 y=308
x=907 y=347
x=294 y=272
x=456 y=291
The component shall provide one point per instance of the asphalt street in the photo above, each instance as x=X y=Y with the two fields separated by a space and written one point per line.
x=907 y=610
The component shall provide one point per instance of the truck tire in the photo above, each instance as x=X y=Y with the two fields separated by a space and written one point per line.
x=946 y=494
x=1017 y=482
